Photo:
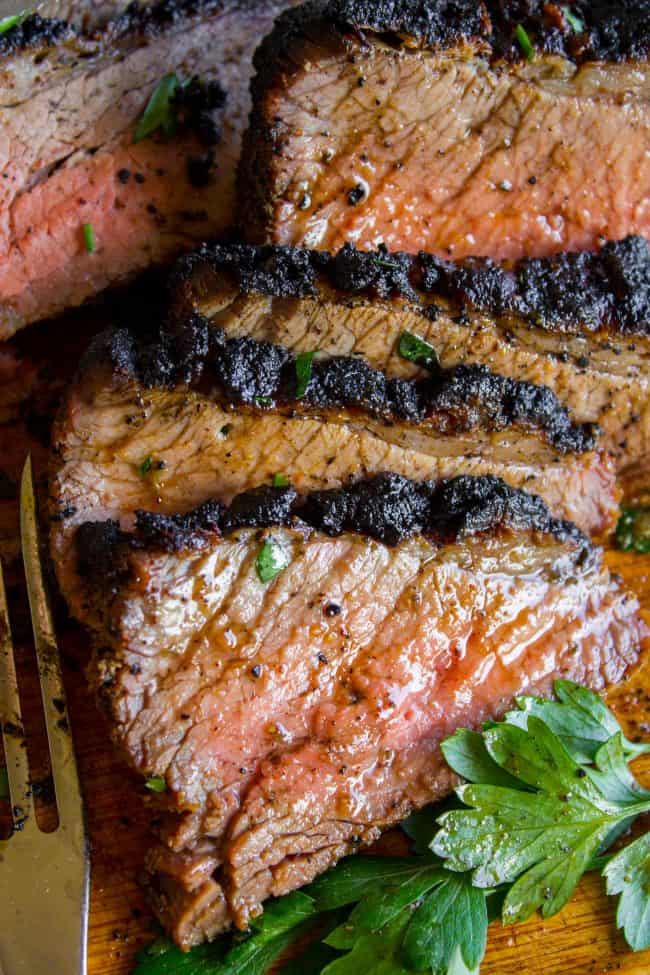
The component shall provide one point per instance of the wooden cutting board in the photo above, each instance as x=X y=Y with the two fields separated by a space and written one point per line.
x=582 y=940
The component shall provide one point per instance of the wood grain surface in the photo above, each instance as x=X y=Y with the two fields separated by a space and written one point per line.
x=582 y=940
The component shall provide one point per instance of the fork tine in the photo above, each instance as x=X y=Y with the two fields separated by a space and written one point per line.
x=64 y=765
x=11 y=723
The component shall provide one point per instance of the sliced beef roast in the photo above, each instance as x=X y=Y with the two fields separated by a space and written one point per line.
x=245 y=409
x=83 y=206
x=427 y=125
x=578 y=325
x=290 y=662
x=175 y=447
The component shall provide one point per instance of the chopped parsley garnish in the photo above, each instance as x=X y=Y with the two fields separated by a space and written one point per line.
x=280 y=480
x=4 y=783
x=271 y=560
x=263 y=401
x=389 y=265
x=160 y=112
x=156 y=783
x=303 y=372
x=574 y=22
x=145 y=467
x=415 y=349
x=524 y=42
x=633 y=530
x=549 y=789
x=89 y=238
x=6 y=23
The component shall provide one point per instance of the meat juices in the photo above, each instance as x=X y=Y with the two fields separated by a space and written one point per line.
x=424 y=127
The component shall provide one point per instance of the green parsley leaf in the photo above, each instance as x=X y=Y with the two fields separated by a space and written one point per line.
x=263 y=401
x=14 y=20
x=458 y=967
x=466 y=754
x=271 y=560
x=162 y=957
x=580 y=718
x=415 y=349
x=280 y=480
x=432 y=909
x=633 y=530
x=453 y=918
x=281 y=924
x=420 y=827
x=524 y=42
x=628 y=874
x=89 y=238
x=156 y=783
x=4 y=783
x=382 y=905
x=303 y=372
x=376 y=953
x=160 y=112
x=612 y=775
x=541 y=842
x=574 y=22
x=145 y=467
x=356 y=877
x=389 y=265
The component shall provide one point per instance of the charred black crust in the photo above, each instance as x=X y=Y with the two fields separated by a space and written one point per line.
x=35 y=32
x=442 y=22
x=284 y=272
x=101 y=553
x=389 y=508
x=172 y=532
x=138 y=20
x=262 y=375
x=608 y=289
x=599 y=30
x=152 y=19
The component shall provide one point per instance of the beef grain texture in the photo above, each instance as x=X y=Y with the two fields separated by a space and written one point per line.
x=70 y=102
x=421 y=125
x=578 y=324
x=295 y=719
x=162 y=401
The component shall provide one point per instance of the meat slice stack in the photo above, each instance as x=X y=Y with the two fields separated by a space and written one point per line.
x=578 y=324
x=428 y=125
x=328 y=507
x=298 y=584
x=83 y=206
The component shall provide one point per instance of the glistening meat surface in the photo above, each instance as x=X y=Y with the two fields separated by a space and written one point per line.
x=69 y=107
x=404 y=610
x=423 y=126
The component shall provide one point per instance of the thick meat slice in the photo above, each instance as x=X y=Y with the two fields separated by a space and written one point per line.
x=294 y=718
x=155 y=437
x=69 y=107
x=423 y=126
x=577 y=324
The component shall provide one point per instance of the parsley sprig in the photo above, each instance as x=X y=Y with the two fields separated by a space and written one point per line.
x=548 y=790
